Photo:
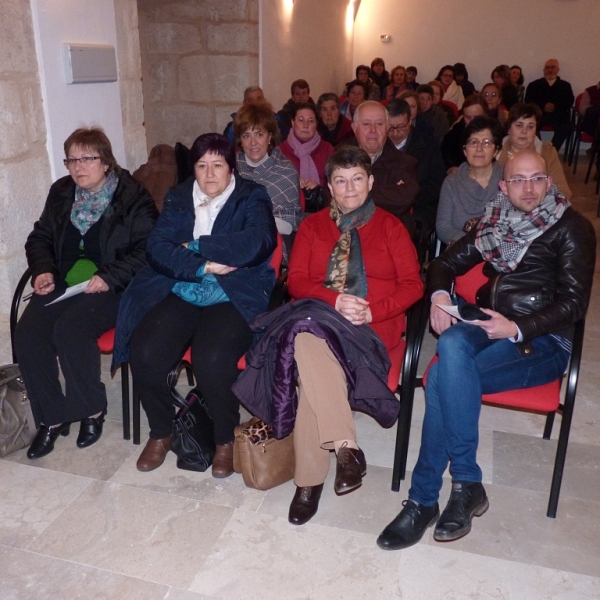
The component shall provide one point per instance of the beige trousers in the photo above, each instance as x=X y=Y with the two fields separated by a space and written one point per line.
x=324 y=415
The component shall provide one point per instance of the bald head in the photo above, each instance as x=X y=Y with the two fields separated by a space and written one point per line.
x=551 y=69
x=525 y=180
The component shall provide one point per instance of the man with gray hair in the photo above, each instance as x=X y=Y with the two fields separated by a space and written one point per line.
x=396 y=182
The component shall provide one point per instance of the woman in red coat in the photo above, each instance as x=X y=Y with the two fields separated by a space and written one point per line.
x=360 y=260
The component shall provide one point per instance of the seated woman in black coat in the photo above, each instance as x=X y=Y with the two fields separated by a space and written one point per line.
x=93 y=227
x=208 y=277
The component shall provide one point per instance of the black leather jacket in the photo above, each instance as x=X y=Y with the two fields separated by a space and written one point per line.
x=550 y=288
x=127 y=223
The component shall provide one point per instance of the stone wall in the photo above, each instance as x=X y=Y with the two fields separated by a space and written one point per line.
x=24 y=165
x=197 y=59
x=130 y=83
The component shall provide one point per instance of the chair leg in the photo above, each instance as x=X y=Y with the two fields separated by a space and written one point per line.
x=575 y=154
x=136 y=415
x=594 y=152
x=402 y=439
x=125 y=397
x=549 y=424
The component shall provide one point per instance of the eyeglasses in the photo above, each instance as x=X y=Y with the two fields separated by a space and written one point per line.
x=84 y=160
x=521 y=181
x=490 y=94
x=474 y=143
x=397 y=128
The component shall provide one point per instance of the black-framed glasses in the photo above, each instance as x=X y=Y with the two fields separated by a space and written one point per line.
x=521 y=181
x=84 y=160
x=397 y=128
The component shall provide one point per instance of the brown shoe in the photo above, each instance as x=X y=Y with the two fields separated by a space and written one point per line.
x=305 y=504
x=222 y=465
x=351 y=468
x=154 y=453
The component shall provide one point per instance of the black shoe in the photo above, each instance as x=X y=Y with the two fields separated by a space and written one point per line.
x=43 y=442
x=468 y=499
x=305 y=504
x=350 y=469
x=409 y=526
x=90 y=430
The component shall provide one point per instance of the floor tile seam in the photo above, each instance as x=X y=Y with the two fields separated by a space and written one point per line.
x=90 y=566
x=64 y=508
x=55 y=470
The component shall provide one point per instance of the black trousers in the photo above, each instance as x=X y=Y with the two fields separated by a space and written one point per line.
x=68 y=330
x=562 y=128
x=218 y=335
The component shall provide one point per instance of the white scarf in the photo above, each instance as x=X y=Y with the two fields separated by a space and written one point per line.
x=207 y=209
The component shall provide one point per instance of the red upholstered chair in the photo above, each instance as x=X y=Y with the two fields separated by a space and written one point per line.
x=186 y=360
x=544 y=398
x=452 y=106
x=579 y=136
x=105 y=343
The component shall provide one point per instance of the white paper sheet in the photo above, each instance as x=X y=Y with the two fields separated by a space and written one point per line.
x=453 y=311
x=71 y=291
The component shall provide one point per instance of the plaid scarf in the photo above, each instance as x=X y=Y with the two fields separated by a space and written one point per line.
x=505 y=233
x=346 y=270
x=89 y=207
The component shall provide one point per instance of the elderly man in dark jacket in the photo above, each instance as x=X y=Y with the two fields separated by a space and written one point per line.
x=539 y=257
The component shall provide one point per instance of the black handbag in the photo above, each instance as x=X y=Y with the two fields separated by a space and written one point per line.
x=193 y=439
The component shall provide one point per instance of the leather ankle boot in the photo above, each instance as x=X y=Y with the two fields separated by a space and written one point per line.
x=154 y=453
x=222 y=465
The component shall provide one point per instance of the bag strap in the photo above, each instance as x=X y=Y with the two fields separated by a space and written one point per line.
x=176 y=397
x=9 y=378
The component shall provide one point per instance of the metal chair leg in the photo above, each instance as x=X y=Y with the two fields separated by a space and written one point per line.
x=125 y=397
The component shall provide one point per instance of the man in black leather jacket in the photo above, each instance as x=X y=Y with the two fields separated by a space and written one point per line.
x=539 y=257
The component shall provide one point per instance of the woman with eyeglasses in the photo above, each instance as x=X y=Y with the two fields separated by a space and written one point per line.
x=466 y=191
x=502 y=78
x=452 y=91
x=522 y=126
x=93 y=229
x=492 y=96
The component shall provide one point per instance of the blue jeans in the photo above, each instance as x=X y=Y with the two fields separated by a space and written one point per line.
x=470 y=365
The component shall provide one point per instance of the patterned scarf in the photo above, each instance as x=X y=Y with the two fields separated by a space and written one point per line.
x=303 y=150
x=346 y=270
x=89 y=207
x=505 y=233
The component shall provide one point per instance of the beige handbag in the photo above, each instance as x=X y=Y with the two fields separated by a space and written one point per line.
x=264 y=461
x=17 y=427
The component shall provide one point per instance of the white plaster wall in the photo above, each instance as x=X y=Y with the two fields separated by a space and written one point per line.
x=483 y=34
x=70 y=106
x=304 y=39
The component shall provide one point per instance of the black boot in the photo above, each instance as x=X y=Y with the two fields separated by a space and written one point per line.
x=468 y=499
x=409 y=526
x=43 y=442
x=90 y=430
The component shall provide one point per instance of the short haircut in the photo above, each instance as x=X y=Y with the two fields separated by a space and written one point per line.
x=326 y=97
x=460 y=69
x=303 y=106
x=503 y=71
x=377 y=61
x=425 y=88
x=479 y=124
x=96 y=141
x=397 y=68
x=346 y=157
x=445 y=68
x=366 y=104
x=398 y=107
x=409 y=94
x=475 y=100
x=439 y=86
x=362 y=68
x=412 y=70
x=213 y=143
x=520 y=110
x=300 y=84
x=253 y=116
x=358 y=83
x=521 y=79
x=252 y=88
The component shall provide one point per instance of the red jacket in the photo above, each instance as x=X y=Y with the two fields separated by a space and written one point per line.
x=390 y=263
x=320 y=155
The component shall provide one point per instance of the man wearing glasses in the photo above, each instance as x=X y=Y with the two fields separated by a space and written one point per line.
x=539 y=257
x=555 y=98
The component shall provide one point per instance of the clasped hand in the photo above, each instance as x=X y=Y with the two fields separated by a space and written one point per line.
x=354 y=308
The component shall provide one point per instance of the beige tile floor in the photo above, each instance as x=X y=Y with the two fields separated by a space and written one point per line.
x=87 y=524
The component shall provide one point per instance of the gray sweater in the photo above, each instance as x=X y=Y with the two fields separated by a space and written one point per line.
x=461 y=199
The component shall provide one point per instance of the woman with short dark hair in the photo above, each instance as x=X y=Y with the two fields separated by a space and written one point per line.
x=357 y=94
x=466 y=192
x=93 y=229
x=517 y=79
x=208 y=277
